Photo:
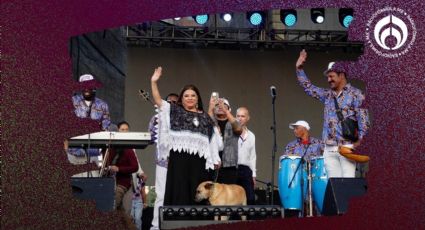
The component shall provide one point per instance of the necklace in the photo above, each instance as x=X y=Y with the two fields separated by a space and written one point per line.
x=196 y=121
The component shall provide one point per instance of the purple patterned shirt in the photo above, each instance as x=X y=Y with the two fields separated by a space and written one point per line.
x=349 y=100
x=296 y=147
x=99 y=110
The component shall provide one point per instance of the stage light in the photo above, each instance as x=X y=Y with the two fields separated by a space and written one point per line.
x=256 y=18
x=263 y=211
x=227 y=17
x=240 y=211
x=345 y=16
x=169 y=212
x=193 y=212
x=318 y=15
x=275 y=212
x=205 y=212
x=288 y=17
x=216 y=211
x=181 y=212
x=251 y=211
x=201 y=19
x=229 y=211
x=171 y=217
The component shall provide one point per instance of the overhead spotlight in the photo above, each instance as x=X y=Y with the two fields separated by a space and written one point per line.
x=345 y=16
x=226 y=17
x=177 y=18
x=288 y=17
x=201 y=19
x=255 y=17
x=318 y=15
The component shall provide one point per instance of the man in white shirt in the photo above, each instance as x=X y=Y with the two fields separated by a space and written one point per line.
x=247 y=157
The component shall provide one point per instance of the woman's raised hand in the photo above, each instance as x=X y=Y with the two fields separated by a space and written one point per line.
x=156 y=74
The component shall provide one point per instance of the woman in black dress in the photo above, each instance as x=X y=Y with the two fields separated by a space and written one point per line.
x=188 y=137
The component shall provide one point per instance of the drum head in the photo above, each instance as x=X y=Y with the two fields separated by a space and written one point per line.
x=292 y=157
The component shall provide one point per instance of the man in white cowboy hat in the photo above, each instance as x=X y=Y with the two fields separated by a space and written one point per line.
x=230 y=129
x=87 y=105
x=343 y=97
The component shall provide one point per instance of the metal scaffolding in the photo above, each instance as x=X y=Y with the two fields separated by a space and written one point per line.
x=159 y=34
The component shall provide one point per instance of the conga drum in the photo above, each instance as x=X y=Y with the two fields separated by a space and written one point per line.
x=319 y=181
x=290 y=195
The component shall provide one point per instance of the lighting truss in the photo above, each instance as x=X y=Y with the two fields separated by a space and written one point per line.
x=166 y=35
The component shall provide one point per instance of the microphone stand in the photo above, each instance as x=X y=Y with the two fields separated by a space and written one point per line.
x=88 y=152
x=274 y=148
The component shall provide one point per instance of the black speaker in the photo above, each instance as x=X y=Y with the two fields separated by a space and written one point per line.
x=338 y=193
x=100 y=189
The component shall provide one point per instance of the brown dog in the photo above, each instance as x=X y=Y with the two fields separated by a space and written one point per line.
x=221 y=194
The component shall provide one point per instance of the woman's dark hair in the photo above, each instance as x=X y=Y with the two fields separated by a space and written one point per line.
x=123 y=123
x=194 y=88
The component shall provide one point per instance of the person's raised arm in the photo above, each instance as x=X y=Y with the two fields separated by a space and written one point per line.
x=211 y=107
x=154 y=84
x=303 y=81
x=236 y=126
x=301 y=60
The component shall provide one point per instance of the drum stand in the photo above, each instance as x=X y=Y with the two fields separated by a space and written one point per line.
x=310 y=200
x=302 y=184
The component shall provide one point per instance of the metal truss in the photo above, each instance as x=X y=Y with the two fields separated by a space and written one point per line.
x=167 y=35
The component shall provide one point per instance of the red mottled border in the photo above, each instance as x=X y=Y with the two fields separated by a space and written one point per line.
x=36 y=113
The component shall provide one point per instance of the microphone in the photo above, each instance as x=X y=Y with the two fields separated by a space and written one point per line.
x=273 y=91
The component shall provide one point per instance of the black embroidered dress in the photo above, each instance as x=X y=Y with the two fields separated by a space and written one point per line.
x=191 y=143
